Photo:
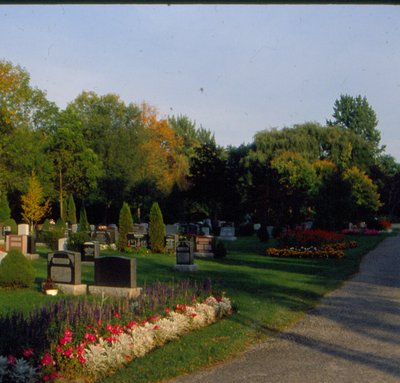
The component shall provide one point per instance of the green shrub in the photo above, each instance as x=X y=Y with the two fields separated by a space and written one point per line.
x=125 y=226
x=76 y=240
x=220 y=250
x=84 y=226
x=11 y=222
x=71 y=210
x=156 y=229
x=16 y=270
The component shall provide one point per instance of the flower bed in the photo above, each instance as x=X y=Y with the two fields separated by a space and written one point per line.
x=308 y=238
x=333 y=250
x=79 y=337
x=361 y=232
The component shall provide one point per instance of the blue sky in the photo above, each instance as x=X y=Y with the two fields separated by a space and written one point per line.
x=234 y=70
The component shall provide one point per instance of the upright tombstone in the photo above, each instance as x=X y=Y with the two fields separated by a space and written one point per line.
x=64 y=267
x=171 y=241
x=204 y=246
x=227 y=233
x=74 y=228
x=172 y=229
x=115 y=276
x=23 y=243
x=23 y=229
x=90 y=251
x=113 y=232
x=184 y=257
x=63 y=244
x=102 y=236
x=139 y=237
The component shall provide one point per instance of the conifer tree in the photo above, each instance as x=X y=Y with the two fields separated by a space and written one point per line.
x=71 y=210
x=5 y=211
x=84 y=226
x=156 y=229
x=125 y=226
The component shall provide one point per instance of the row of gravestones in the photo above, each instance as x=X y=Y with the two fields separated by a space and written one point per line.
x=113 y=275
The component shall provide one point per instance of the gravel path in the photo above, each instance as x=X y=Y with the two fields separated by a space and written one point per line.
x=352 y=336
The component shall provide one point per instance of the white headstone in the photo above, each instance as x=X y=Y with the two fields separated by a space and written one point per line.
x=227 y=232
x=256 y=226
x=74 y=227
x=62 y=244
x=23 y=229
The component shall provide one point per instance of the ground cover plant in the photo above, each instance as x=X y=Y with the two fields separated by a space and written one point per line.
x=270 y=293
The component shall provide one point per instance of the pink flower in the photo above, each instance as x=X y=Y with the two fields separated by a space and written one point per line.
x=59 y=349
x=11 y=359
x=81 y=359
x=68 y=335
x=47 y=359
x=62 y=341
x=28 y=352
x=90 y=337
x=131 y=324
x=167 y=310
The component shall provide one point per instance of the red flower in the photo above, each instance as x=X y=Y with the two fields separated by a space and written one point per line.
x=47 y=359
x=156 y=327
x=68 y=335
x=59 y=349
x=90 y=337
x=11 y=359
x=117 y=315
x=68 y=353
x=167 y=310
x=27 y=352
x=132 y=324
x=219 y=299
x=62 y=341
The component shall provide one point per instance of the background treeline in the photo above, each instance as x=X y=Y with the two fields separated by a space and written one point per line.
x=103 y=152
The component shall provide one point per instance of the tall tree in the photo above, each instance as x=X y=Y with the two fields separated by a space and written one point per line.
x=34 y=206
x=156 y=229
x=125 y=226
x=71 y=210
x=356 y=114
x=5 y=211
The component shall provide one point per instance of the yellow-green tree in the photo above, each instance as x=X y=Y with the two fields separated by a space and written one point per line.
x=34 y=206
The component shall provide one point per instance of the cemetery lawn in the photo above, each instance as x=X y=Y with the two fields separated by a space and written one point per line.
x=269 y=294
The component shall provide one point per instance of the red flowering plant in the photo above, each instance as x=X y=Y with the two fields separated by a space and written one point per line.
x=308 y=238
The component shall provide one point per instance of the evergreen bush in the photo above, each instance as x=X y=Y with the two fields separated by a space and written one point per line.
x=71 y=210
x=125 y=226
x=16 y=270
x=5 y=211
x=156 y=229
x=76 y=240
x=84 y=226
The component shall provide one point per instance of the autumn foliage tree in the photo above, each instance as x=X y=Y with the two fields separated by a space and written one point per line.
x=165 y=165
x=34 y=206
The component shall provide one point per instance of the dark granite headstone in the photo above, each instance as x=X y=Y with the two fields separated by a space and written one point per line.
x=64 y=267
x=115 y=272
x=90 y=251
x=184 y=255
x=102 y=236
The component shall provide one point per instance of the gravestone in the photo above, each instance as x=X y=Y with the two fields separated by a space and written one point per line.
x=90 y=251
x=115 y=276
x=113 y=232
x=204 y=246
x=74 y=228
x=23 y=243
x=102 y=236
x=62 y=244
x=171 y=241
x=23 y=229
x=115 y=271
x=6 y=230
x=205 y=230
x=227 y=233
x=184 y=257
x=172 y=229
x=64 y=267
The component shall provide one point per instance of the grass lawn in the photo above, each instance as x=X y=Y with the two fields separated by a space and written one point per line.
x=269 y=293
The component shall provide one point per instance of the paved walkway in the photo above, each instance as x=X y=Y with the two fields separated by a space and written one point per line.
x=352 y=336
